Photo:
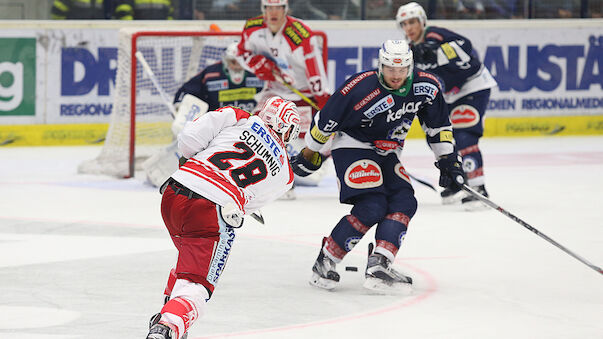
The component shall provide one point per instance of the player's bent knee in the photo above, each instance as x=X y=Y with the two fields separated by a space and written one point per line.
x=370 y=209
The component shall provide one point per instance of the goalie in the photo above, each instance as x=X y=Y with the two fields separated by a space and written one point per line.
x=224 y=83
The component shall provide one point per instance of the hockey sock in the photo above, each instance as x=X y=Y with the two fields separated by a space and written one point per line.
x=179 y=314
x=390 y=234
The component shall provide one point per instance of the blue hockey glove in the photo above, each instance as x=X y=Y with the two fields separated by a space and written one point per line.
x=304 y=167
x=451 y=171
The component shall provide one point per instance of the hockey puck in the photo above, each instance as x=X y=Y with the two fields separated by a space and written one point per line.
x=351 y=268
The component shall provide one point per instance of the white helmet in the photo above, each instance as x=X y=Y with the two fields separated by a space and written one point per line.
x=395 y=53
x=275 y=3
x=281 y=115
x=236 y=75
x=411 y=10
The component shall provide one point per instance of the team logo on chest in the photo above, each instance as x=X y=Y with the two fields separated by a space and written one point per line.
x=363 y=173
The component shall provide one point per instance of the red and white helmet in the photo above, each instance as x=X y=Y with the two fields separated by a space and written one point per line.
x=409 y=11
x=275 y=3
x=281 y=116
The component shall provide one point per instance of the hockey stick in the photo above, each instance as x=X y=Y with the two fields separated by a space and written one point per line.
x=257 y=216
x=421 y=181
x=153 y=78
x=526 y=225
x=280 y=79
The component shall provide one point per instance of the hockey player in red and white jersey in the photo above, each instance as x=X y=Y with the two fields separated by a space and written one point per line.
x=236 y=163
x=276 y=46
x=279 y=48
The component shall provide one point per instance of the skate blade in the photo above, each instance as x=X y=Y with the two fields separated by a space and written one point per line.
x=453 y=199
x=381 y=287
x=320 y=282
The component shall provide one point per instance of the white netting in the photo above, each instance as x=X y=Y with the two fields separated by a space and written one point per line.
x=169 y=55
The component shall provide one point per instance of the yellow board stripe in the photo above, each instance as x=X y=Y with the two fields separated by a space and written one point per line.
x=89 y=134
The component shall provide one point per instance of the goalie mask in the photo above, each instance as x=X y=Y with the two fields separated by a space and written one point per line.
x=395 y=53
x=409 y=11
x=232 y=68
x=275 y=3
x=281 y=116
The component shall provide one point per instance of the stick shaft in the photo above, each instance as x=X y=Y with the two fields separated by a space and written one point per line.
x=491 y=204
x=153 y=78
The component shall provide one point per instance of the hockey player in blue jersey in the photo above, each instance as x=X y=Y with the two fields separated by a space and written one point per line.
x=370 y=115
x=225 y=83
x=467 y=84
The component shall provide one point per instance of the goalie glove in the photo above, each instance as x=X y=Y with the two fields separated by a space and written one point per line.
x=304 y=167
x=263 y=67
x=451 y=171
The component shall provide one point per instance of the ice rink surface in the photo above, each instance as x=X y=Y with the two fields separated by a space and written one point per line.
x=85 y=256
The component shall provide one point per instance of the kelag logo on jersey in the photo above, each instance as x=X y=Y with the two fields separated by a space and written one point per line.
x=217 y=85
x=380 y=106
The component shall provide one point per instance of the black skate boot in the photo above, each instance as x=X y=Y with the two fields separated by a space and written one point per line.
x=160 y=329
x=471 y=203
x=381 y=276
x=451 y=195
x=323 y=271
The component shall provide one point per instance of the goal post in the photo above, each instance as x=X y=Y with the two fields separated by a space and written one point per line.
x=140 y=123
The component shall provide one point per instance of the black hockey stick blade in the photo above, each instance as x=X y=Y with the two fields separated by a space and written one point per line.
x=491 y=204
x=258 y=217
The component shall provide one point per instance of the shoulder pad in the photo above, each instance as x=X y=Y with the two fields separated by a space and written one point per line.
x=304 y=31
x=239 y=112
x=257 y=21
x=429 y=77
x=353 y=81
x=433 y=33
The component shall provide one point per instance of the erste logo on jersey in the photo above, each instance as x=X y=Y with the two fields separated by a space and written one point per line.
x=254 y=82
x=363 y=173
x=463 y=116
x=425 y=88
x=217 y=85
x=380 y=106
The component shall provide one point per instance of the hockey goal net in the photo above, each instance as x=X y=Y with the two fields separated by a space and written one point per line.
x=140 y=122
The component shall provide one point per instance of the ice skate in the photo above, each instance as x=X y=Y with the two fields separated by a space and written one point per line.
x=323 y=272
x=160 y=331
x=289 y=195
x=451 y=196
x=471 y=203
x=382 y=277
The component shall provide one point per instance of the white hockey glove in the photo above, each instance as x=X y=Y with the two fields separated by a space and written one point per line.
x=232 y=215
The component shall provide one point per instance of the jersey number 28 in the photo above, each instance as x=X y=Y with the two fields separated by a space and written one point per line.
x=250 y=173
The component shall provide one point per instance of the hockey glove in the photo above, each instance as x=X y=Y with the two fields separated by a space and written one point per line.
x=304 y=167
x=426 y=51
x=451 y=171
x=263 y=67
